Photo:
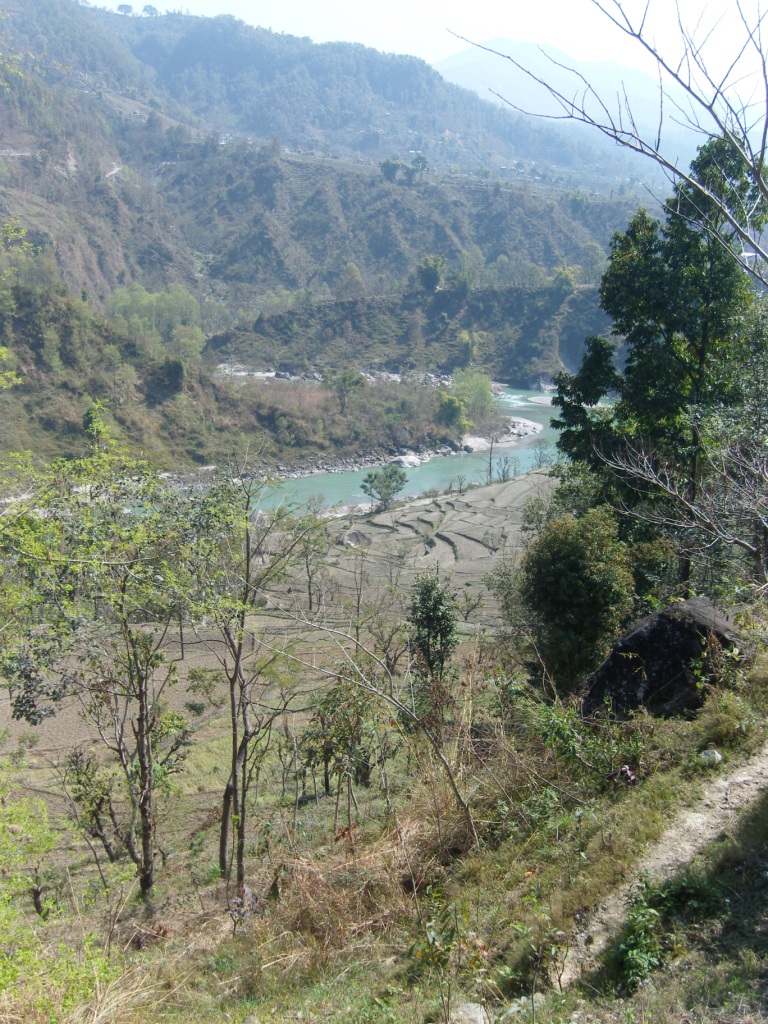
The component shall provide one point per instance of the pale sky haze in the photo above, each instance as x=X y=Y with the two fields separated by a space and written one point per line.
x=423 y=27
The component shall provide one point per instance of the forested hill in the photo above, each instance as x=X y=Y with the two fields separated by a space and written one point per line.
x=282 y=203
x=267 y=221
x=335 y=98
x=119 y=192
x=515 y=334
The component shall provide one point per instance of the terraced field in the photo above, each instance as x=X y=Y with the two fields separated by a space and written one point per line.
x=463 y=535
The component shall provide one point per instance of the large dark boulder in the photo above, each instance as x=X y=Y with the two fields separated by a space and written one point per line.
x=654 y=665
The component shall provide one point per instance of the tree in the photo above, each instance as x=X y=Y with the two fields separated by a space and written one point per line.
x=382 y=485
x=674 y=295
x=27 y=841
x=241 y=555
x=433 y=633
x=390 y=169
x=728 y=509
x=452 y=413
x=8 y=378
x=592 y=262
x=722 y=97
x=433 y=630
x=471 y=268
x=97 y=576
x=312 y=552
x=420 y=164
x=470 y=344
x=473 y=389
x=344 y=382
x=430 y=271
x=342 y=736
x=351 y=285
x=575 y=581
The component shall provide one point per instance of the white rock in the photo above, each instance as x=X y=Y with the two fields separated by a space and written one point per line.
x=470 y=1013
x=711 y=756
x=407 y=461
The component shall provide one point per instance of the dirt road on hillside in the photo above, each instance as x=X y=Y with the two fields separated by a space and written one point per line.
x=724 y=801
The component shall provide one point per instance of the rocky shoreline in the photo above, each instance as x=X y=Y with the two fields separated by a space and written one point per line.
x=316 y=464
x=519 y=429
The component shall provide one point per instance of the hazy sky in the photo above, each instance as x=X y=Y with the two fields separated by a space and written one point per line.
x=423 y=27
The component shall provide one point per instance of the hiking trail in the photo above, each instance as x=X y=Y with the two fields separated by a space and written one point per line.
x=724 y=800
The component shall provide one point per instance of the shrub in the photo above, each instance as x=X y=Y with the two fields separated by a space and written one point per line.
x=576 y=581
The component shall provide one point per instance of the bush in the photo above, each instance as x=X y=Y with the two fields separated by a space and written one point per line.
x=576 y=581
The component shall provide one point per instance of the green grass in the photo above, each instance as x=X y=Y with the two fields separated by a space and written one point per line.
x=377 y=923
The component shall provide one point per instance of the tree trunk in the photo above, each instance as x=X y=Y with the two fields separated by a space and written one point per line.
x=146 y=787
x=242 y=796
x=226 y=821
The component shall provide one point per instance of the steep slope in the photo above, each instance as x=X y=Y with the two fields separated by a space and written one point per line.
x=65 y=180
x=526 y=334
x=332 y=97
x=107 y=160
x=267 y=219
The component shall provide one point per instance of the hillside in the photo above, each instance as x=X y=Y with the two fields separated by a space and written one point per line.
x=158 y=397
x=496 y=754
x=336 y=97
x=262 y=219
x=125 y=187
x=295 y=261
x=117 y=198
x=371 y=894
x=526 y=333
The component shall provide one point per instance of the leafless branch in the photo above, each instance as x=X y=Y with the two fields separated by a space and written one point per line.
x=711 y=105
x=729 y=507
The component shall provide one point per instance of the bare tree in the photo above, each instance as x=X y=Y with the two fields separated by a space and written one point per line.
x=715 y=95
x=241 y=569
x=729 y=509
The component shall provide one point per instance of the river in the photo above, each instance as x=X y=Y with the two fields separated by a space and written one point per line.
x=345 y=488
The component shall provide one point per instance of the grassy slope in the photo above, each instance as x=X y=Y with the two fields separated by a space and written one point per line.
x=342 y=926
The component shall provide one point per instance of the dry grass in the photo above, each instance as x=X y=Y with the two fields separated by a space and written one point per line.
x=346 y=896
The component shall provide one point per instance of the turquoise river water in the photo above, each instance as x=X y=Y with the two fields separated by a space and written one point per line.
x=440 y=473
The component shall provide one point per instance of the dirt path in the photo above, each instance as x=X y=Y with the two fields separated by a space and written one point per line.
x=724 y=800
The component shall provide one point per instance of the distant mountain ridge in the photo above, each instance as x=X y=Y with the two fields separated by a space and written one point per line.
x=491 y=70
x=331 y=98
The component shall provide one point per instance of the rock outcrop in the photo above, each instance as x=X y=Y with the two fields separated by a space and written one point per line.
x=354 y=539
x=661 y=661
